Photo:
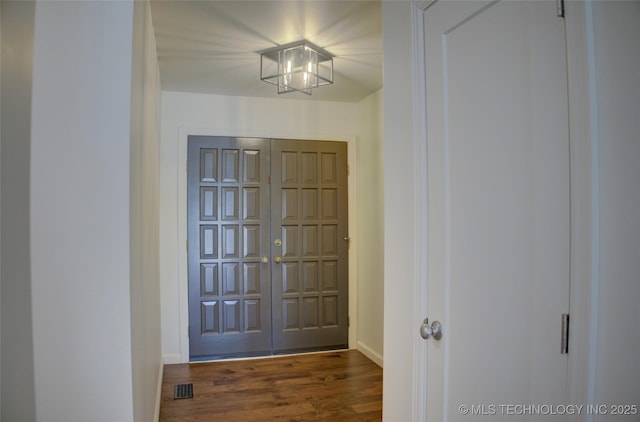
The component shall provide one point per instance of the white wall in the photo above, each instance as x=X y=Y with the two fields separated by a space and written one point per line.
x=370 y=229
x=184 y=113
x=80 y=244
x=18 y=399
x=616 y=57
x=400 y=326
x=145 y=155
x=0 y=212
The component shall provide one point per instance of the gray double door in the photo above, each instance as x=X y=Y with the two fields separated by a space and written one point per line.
x=268 y=246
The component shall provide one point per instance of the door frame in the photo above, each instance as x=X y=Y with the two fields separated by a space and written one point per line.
x=183 y=280
x=584 y=241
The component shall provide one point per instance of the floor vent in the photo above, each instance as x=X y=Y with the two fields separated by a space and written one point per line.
x=183 y=391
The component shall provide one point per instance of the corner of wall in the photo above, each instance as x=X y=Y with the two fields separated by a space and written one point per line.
x=156 y=414
x=0 y=207
x=370 y=232
x=144 y=218
x=17 y=389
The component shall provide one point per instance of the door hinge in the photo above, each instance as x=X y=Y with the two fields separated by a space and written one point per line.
x=564 y=347
x=560 y=8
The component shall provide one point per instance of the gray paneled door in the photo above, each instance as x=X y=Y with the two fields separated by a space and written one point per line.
x=228 y=213
x=309 y=217
x=268 y=249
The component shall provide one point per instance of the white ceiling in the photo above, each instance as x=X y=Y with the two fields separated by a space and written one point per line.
x=211 y=46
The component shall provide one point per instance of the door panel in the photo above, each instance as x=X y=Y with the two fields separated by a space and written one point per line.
x=239 y=305
x=310 y=285
x=228 y=213
x=498 y=209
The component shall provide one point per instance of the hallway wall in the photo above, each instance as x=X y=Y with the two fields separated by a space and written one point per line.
x=400 y=260
x=146 y=356
x=80 y=268
x=370 y=242
x=16 y=363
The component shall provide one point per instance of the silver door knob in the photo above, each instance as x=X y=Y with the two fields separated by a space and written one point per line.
x=277 y=259
x=434 y=330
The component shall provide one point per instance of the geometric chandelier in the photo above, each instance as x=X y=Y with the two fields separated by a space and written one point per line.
x=298 y=66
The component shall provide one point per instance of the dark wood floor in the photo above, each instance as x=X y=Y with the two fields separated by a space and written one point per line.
x=332 y=386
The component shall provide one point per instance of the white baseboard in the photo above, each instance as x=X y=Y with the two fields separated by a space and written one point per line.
x=171 y=359
x=156 y=417
x=370 y=353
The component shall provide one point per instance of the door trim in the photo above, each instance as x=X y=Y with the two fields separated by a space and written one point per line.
x=183 y=282
x=585 y=241
x=420 y=356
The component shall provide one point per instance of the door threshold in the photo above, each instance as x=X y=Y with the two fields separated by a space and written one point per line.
x=209 y=359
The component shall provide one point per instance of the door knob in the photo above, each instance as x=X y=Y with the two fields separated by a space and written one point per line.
x=265 y=260
x=434 y=330
x=277 y=259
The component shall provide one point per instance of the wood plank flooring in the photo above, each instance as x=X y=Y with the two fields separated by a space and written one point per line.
x=332 y=386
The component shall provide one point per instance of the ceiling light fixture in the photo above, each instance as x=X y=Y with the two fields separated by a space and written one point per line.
x=298 y=66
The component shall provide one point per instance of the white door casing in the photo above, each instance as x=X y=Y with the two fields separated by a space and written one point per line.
x=268 y=267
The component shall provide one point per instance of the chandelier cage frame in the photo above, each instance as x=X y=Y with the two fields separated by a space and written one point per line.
x=300 y=66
